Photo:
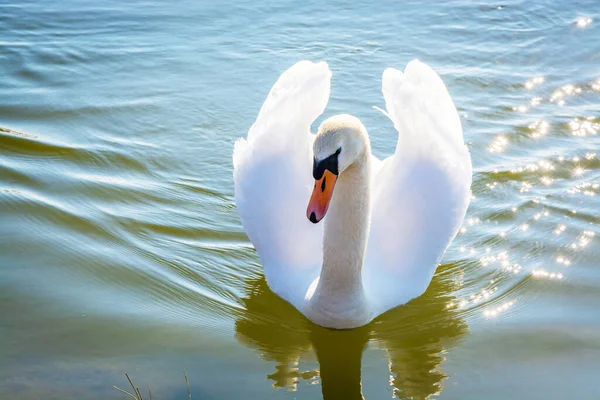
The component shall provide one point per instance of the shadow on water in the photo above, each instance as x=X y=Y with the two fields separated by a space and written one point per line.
x=413 y=336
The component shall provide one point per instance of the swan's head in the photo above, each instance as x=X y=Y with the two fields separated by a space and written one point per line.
x=340 y=141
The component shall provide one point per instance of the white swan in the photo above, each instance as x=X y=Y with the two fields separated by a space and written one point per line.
x=388 y=222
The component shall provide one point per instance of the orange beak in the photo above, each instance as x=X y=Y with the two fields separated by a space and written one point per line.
x=321 y=196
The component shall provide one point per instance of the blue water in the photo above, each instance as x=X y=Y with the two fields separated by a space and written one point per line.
x=121 y=249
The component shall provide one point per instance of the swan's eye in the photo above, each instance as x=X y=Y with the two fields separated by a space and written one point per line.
x=338 y=151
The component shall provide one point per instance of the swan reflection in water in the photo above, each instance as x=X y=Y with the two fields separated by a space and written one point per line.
x=414 y=337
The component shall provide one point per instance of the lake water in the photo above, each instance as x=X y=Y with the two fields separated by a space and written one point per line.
x=121 y=249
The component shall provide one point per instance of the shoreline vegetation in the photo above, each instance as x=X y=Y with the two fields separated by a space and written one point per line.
x=137 y=394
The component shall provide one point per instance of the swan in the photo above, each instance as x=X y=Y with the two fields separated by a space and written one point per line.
x=385 y=224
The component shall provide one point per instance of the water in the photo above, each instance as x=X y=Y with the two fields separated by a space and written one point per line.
x=122 y=250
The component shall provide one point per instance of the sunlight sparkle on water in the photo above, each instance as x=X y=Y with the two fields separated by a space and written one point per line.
x=564 y=91
x=500 y=258
x=587 y=188
x=474 y=220
x=584 y=239
x=540 y=273
x=498 y=144
x=494 y=312
x=564 y=261
x=545 y=165
x=539 y=128
x=513 y=269
x=535 y=101
x=533 y=82
x=584 y=127
x=560 y=229
x=583 y=22
x=522 y=108
x=475 y=298
x=525 y=187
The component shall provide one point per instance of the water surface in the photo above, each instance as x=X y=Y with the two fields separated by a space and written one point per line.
x=122 y=250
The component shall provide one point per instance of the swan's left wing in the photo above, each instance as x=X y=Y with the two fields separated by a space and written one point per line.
x=420 y=193
x=273 y=180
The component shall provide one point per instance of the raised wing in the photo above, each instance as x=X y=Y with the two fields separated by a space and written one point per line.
x=273 y=181
x=420 y=193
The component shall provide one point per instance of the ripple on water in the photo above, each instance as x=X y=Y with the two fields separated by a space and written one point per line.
x=124 y=248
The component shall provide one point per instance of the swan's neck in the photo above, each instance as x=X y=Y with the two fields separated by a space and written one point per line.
x=339 y=293
x=346 y=230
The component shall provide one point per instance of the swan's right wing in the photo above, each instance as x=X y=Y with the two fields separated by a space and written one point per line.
x=420 y=193
x=273 y=180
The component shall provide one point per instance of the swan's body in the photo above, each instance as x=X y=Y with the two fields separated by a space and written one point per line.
x=388 y=223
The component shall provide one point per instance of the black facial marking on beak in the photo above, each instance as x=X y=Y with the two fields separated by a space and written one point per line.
x=313 y=218
x=330 y=163
x=323 y=184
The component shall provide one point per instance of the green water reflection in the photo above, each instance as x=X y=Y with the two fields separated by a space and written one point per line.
x=414 y=339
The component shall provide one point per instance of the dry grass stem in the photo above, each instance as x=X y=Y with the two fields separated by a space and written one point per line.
x=138 y=395
x=126 y=392
x=188 y=385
